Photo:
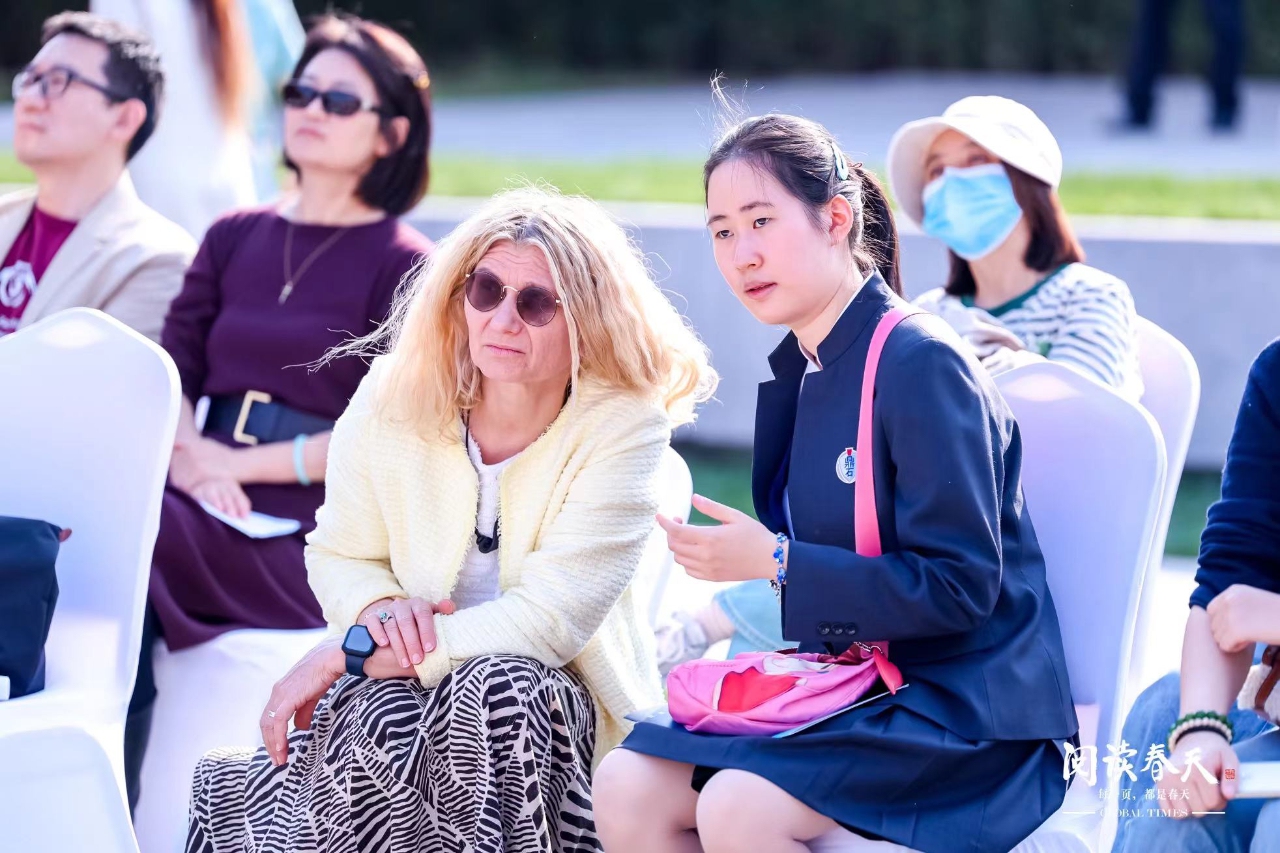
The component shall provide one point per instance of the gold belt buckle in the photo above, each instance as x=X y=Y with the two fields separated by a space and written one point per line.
x=250 y=397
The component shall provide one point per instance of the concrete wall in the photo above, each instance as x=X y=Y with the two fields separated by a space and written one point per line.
x=1209 y=283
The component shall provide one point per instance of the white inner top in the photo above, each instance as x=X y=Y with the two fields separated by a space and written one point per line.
x=478 y=580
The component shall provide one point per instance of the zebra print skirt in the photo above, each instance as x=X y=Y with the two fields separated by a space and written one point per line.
x=495 y=758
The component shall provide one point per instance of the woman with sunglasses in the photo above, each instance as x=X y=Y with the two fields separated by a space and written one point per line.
x=270 y=292
x=503 y=455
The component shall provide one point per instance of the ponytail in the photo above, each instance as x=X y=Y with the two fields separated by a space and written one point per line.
x=880 y=233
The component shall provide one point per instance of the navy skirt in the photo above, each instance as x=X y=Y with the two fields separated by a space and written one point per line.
x=886 y=772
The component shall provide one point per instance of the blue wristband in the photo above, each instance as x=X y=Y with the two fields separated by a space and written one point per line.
x=299 y=464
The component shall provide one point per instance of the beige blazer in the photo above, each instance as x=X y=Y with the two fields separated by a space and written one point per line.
x=122 y=258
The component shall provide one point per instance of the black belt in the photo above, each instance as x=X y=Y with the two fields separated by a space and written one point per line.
x=252 y=418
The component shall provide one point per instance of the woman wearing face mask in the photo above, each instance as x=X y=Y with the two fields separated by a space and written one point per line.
x=983 y=179
x=973 y=748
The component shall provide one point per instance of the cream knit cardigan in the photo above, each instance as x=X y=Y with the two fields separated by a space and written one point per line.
x=576 y=508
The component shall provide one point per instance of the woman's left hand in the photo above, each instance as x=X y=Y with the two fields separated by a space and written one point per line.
x=738 y=549
x=295 y=696
x=224 y=495
x=1242 y=615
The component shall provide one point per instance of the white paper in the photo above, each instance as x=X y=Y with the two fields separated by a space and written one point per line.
x=1259 y=780
x=256 y=525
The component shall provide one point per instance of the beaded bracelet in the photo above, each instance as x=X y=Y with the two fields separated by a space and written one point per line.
x=779 y=557
x=1203 y=726
x=1200 y=721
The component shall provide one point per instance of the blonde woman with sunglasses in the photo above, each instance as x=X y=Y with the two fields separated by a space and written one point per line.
x=490 y=491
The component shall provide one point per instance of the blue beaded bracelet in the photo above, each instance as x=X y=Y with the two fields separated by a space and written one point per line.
x=299 y=463
x=779 y=557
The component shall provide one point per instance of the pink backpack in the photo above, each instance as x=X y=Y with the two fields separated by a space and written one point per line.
x=763 y=693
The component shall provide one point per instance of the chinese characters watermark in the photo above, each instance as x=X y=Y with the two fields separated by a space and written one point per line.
x=1082 y=763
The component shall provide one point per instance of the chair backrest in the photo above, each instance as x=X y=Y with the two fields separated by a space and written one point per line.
x=675 y=499
x=61 y=794
x=1171 y=393
x=90 y=410
x=1092 y=474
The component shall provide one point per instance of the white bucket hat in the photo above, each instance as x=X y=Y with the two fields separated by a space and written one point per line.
x=1009 y=130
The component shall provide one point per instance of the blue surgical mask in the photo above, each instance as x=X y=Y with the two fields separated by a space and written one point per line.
x=972 y=210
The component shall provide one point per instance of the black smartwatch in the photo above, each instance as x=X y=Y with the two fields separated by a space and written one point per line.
x=359 y=647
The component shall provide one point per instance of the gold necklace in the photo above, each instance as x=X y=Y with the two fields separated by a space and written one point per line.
x=291 y=278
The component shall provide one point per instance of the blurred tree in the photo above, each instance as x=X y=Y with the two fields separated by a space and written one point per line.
x=752 y=37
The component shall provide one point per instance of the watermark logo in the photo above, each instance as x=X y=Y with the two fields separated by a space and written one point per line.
x=1082 y=763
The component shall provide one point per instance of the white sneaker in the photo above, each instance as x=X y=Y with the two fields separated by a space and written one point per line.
x=679 y=639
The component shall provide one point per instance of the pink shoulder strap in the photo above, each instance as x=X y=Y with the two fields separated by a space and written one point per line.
x=866 y=524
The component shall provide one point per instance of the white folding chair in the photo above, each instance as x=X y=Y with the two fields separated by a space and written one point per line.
x=90 y=411
x=658 y=561
x=1171 y=393
x=208 y=696
x=1092 y=473
x=69 y=798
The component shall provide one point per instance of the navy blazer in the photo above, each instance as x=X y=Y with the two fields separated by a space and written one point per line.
x=1241 y=542
x=960 y=590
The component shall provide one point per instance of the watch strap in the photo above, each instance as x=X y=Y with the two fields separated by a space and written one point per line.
x=355 y=665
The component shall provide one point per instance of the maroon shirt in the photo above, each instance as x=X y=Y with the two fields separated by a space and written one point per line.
x=29 y=256
x=228 y=332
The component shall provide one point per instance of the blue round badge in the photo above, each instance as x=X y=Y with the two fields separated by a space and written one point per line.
x=847 y=465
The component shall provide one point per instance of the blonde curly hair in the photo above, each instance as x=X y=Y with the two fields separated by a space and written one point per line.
x=623 y=332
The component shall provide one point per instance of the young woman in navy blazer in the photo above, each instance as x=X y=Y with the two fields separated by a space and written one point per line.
x=970 y=755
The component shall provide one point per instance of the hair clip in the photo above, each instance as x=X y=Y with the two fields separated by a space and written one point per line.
x=842 y=167
x=422 y=81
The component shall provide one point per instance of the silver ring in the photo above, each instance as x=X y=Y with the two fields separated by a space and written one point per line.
x=271 y=714
x=384 y=617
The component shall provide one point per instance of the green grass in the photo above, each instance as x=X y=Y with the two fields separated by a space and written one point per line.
x=675 y=180
x=724 y=475
x=1197 y=490
x=640 y=179
x=1162 y=195
x=11 y=171
x=720 y=473
x=678 y=180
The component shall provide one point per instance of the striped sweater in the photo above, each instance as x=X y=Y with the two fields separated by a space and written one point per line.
x=1077 y=315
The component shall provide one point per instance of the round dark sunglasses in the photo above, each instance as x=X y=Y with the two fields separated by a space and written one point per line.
x=335 y=102
x=535 y=305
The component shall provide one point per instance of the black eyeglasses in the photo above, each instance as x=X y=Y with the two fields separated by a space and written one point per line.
x=535 y=305
x=54 y=82
x=335 y=102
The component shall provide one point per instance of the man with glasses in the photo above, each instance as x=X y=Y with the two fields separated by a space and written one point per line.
x=81 y=238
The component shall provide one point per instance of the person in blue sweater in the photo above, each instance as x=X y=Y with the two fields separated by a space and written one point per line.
x=1235 y=607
